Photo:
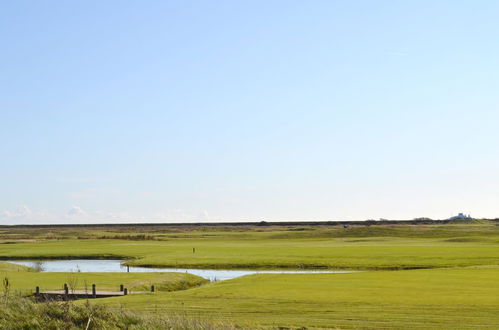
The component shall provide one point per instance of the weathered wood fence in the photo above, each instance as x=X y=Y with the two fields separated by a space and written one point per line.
x=67 y=294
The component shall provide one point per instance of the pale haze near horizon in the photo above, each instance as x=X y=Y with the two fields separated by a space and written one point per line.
x=163 y=111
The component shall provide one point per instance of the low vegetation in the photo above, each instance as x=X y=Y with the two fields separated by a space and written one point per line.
x=24 y=283
x=419 y=275
x=23 y=313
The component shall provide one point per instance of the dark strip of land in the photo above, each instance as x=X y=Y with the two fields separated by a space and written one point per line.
x=424 y=221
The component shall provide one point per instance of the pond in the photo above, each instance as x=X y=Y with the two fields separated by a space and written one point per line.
x=113 y=266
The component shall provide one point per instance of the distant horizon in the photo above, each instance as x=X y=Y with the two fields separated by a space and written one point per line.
x=225 y=111
x=235 y=222
x=23 y=215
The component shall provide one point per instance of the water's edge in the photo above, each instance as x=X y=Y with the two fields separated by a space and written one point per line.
x=116 y=266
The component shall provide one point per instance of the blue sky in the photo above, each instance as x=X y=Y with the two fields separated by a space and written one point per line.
x=119 y=111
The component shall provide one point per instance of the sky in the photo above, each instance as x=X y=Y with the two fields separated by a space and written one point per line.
x=202 y=111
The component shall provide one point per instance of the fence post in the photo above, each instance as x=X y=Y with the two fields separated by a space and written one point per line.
x=66 y=289
x=94 y=291
x=152 y=288
x=37 y=291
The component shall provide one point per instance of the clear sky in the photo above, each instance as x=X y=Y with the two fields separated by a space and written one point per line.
x=118 y=111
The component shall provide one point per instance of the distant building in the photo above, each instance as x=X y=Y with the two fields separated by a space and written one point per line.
x=461 y=216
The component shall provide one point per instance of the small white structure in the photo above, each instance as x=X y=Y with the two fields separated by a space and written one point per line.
x=461 y=216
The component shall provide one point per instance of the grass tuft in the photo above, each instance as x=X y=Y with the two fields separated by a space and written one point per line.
x=24 y=313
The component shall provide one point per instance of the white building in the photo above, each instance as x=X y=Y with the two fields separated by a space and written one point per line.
x=461 y=216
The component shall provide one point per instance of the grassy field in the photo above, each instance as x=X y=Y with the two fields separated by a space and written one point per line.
x=25 y=282
x=360 y=247
x=436 y=298
x=416 y=276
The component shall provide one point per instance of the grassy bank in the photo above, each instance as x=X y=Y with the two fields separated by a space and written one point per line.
x=425 y=299
x=25 y=282
x=23 y=313
x=8 y=267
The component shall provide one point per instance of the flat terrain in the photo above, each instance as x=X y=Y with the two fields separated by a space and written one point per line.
x=25 y=282
x=356 y=247
x=436 y=298
x=412 y=276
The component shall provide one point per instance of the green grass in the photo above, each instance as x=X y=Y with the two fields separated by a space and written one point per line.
x=263 y=250
x=420 y=276
x=25 y=282
x=8 y=267
x=431 y=299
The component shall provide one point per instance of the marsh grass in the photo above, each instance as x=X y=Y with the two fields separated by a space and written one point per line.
x=24 y=313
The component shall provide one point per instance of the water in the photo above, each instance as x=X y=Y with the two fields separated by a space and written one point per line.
x=115 y=266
